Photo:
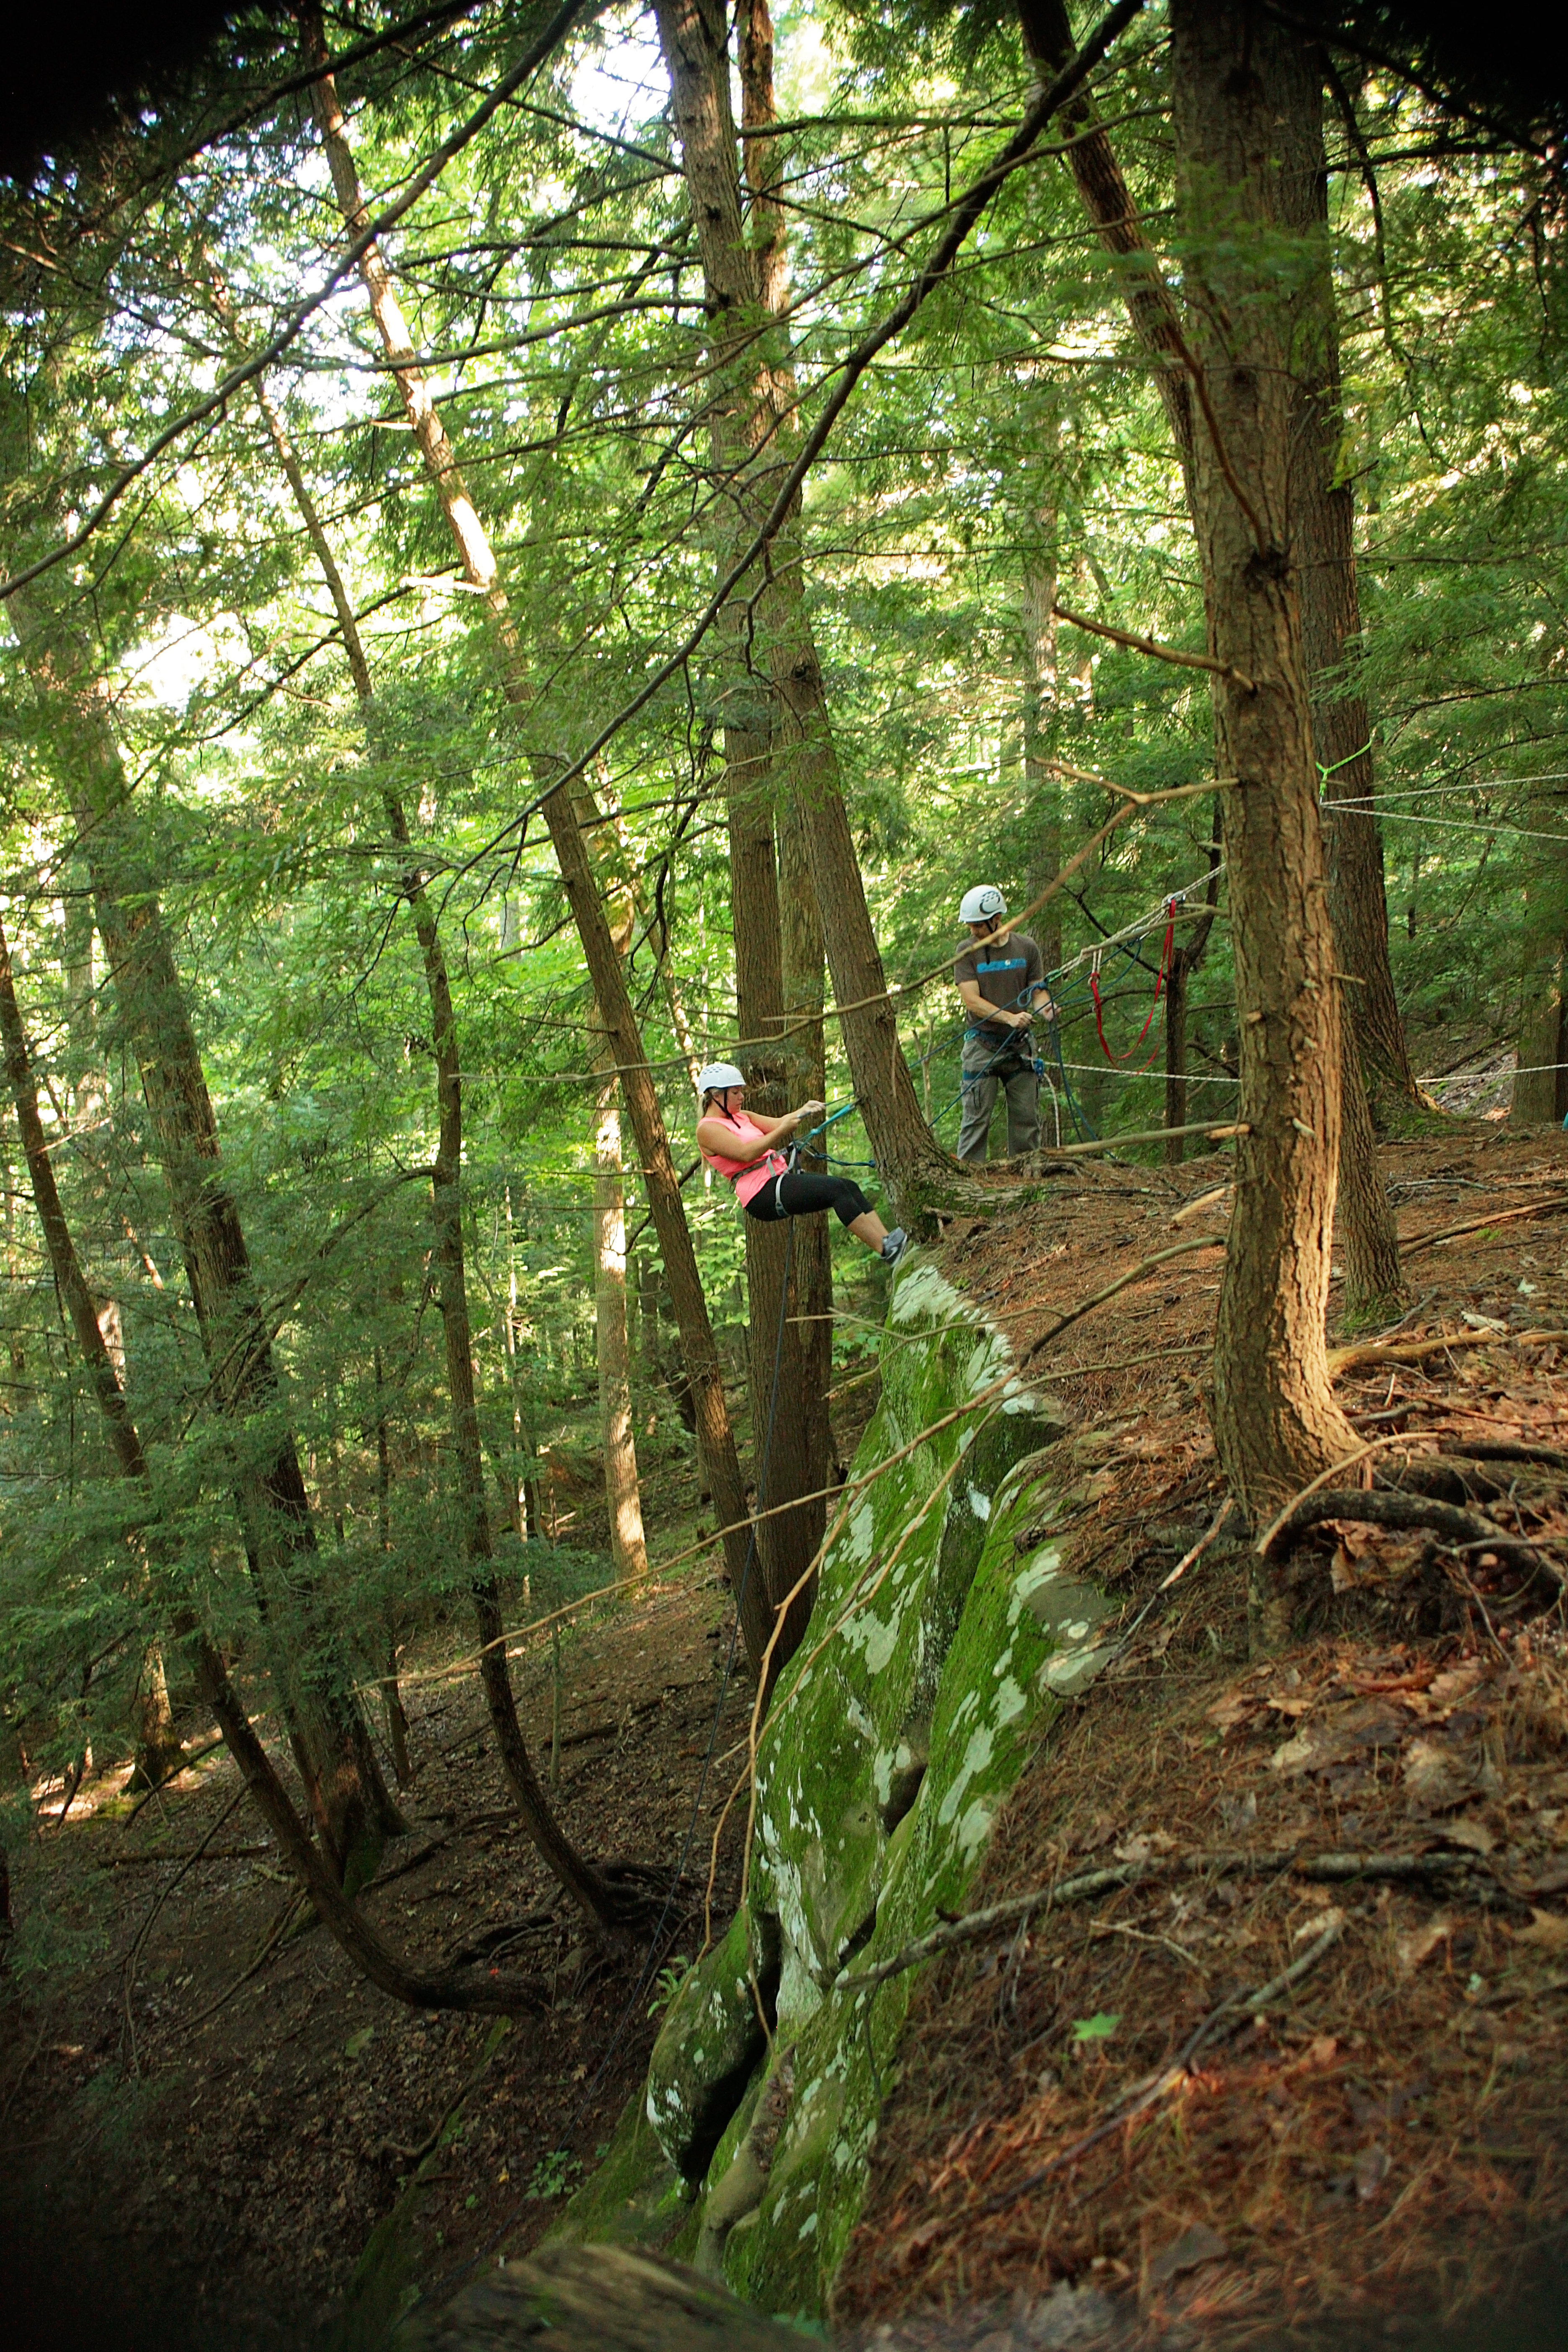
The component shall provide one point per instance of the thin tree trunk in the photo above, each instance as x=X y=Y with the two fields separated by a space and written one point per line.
x=1042 y=785
x=1277 y=1423
x=623 y=1494
x=157 y=1744
x=740 y=416
x=1109 y=202
x=1187 y=955
x=392 y=1696
x=364 y=1944
x=353 y=1807
x=447 y=1219
x=612 y=1344
x=607 y=981
x=810 y=1339
x=1176 y=1062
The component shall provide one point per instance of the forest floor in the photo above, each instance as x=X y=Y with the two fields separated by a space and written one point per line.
x=1386 y=2144
x=1392 y=2140
x=216 y=2170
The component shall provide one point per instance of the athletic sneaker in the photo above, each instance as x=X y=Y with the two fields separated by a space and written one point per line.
x=896 y=1243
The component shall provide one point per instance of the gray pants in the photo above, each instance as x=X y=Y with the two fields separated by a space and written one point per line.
x=984 y=1074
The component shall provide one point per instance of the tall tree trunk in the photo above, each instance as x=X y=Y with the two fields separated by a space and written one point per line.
x=353 y=1807
x=611 y=1338
x=1109 y=202
x=364 y=1944
x=1322 y=533
x=778 y=1349
x=447 y=1220
x=157 y=1743
x=604 y=974
x=391 y=1696
x=1330 y=618
x=1277 y=1423
x=1323 y=507
x=756 y=410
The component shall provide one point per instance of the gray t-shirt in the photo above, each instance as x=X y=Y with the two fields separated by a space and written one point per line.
x=1003 y=971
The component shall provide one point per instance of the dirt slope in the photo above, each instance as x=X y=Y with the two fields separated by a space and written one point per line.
x=1065 y=2156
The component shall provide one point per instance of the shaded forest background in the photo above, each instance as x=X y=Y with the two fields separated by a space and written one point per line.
x=297 y=832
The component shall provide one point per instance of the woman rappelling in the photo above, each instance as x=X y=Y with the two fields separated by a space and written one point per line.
x=766 y=1184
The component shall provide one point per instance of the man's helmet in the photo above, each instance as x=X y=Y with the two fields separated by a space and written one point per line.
x=718 y=1078
x=982 y=905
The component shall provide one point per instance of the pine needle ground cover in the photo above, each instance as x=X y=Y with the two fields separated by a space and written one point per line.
x=1384 y=2143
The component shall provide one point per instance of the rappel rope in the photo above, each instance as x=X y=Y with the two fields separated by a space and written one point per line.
x=1160 y=980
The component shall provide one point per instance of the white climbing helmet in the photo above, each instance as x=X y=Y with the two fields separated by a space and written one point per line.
x=982 y=905
x=718 y=1078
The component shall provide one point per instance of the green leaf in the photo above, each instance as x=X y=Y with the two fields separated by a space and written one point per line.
x=1098 y=2028
x=358 y=2043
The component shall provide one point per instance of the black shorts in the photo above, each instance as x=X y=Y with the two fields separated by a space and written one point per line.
x=806 y=1196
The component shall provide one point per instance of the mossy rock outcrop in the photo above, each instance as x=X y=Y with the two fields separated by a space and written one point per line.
x=945 y=1634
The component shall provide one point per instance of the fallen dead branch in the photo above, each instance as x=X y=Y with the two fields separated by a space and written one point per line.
x=1218 y=2026
x=192 y=1756
x=1415 y=1351
x=1323 y=1869
x=1549 y=1457
x=1134 y=1274
x=1480 y=1225
x=145 y=1929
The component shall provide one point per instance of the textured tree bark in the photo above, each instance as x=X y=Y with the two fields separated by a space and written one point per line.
x=1322 y=509
x=745 y=290
x=1331 y=617
x=1366 y=1236
x=1276 y=1423
x=447 y=1220
x=1322 y=525
x=1323 y=530
x=1541 y=1090
x=353 y=1807
x=365 y=1946
x=609 y=983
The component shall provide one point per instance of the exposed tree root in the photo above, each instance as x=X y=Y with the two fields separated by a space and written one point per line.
x=1465 y=1531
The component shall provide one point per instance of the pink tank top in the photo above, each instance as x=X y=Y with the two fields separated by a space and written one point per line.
x=748 y=1176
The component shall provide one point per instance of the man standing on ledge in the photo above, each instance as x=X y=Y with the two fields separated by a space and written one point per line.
x=1001 y=979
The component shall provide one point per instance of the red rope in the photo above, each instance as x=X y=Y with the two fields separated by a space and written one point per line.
x=1159 y=986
